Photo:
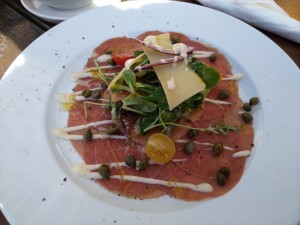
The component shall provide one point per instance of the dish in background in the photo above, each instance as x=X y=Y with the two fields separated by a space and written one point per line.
x=66 y=4
x=54 y=15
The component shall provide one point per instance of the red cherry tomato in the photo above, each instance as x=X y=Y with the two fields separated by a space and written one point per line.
x=123 y=52
x=121 y=57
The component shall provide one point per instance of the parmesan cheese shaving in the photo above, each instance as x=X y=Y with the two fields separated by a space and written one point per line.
x=188 y=82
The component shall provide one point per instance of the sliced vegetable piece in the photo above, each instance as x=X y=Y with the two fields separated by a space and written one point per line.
x=160 y=148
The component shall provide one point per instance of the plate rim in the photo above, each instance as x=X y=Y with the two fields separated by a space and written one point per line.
x=28 y=49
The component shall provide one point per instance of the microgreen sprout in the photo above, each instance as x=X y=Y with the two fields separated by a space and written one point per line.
x=92 y=103
x=219 y=128
x=101 y=74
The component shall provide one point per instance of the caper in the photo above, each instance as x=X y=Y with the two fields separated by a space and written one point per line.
x=221 y=179
x=140 y=73
x=104 y=171
x=192 y=133
x=224 y=94
x=108 y=52
x=143 y=164
x=111 y=129
x=111 y=62
x=254 y=101
x=103 y=85
x=130 y=161
x=218 y=148
x=96 y=94
x=88 y=135
x=87 y=93
x=247 y=117
x=225 y=171
x=247 y=107
x=168 y=116
x=189 y=147
x=175 y=40
x=213 y=57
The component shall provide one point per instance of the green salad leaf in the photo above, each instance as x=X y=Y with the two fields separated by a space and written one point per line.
x=208 y=74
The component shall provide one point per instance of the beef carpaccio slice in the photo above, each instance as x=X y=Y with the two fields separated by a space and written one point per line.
x=199 y=167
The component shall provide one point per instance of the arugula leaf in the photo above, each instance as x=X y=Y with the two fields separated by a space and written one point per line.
x=130 y=80
x=139 y=104
x=157 y=95
x=170 y=116
x=101 y=74
x=148 y=121
x=208 y=74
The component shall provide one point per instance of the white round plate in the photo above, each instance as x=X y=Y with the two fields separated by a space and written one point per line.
x=37 y=184
x=54 y=15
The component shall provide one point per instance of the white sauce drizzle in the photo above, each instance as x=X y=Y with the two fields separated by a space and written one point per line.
x=205 y=143
x=163 y=60
x=85 y=126
x=139 y=68
x=202 y=54
x=180 y=49
x=76 y=96
x=236 y=77
x=78 y=75
x=130 y=62
x=171 y=84
x=63 y=132
x=110 y=74
x=104 y=58
x=175 y=59
x=150 y=40
x=76 y=137
x=244 y=153
x=84 y=170
x=217 y=102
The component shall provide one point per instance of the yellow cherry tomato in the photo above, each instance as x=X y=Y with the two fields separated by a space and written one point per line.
x=160 y=148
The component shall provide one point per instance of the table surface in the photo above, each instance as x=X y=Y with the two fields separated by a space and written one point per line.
x=19 y=28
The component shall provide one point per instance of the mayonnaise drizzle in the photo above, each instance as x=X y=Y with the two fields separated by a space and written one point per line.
x=63 y=132
x=85 y=126
x=236 y=77
x=78 y=75
x=130 y=62
x=205 y=143
x=202 y=54
x=244 y=153
x=76 y=137
x=180 y=49
x=84 y=170
x=88 y=73
x=150 y=40
x=104 y=58
x=171 y=84
x=217 y=102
